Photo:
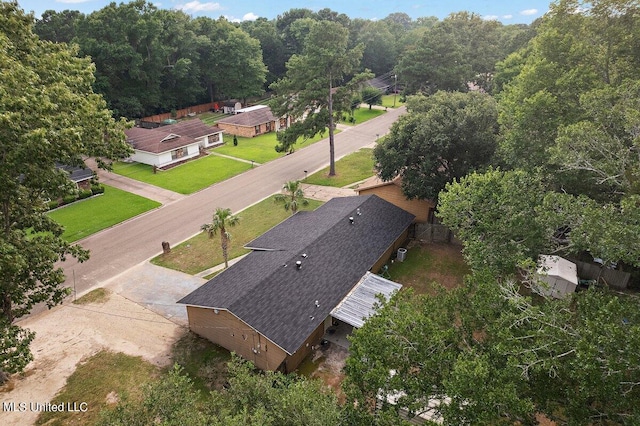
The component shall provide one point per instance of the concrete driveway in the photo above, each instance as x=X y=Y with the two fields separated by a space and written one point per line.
x=157 y=289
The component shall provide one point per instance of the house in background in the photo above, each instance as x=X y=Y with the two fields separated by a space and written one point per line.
x=427 y=225
x=557 y=275
x=81 y=176
x=251 y=121
x=168 y=145
x=391 y=191
x=276 y=303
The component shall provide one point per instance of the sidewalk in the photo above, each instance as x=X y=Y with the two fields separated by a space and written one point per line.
x=325 y=193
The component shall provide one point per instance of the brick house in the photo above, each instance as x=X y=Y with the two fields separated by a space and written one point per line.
x=276 y=303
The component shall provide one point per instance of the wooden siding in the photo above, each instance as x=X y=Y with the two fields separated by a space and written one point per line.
x=390 y=251
x=393 y=194
x=293 y=361
x=228 y=331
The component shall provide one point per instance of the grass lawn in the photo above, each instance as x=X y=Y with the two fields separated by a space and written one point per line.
x=261 y=148
x=117 y=374
x=428 y=263
x=89 y=216
x=99 y=295
x=201 y=252
x=387 y=101
x=93 y=380
x=349 y=169
x=363 y=114
x=187 y=178
x=203 y=361
x=211 y=118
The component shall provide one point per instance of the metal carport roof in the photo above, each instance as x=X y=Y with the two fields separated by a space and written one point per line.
x=358 y=304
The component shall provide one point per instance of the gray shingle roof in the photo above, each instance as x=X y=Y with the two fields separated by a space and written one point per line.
x=268 y=292
x=157 y=140
x=77 y=174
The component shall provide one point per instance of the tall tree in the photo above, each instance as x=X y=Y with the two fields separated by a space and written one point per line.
x=371 y=96
x=290 y=35
x=444 y=137
x=314 y=79
x=241 y=72
x=292 y=196
x=273 y=50
x=433 y=62
x=222 y=218
x=177 y=44
x=380 y=47
x=123 y=41
x=579 y=47
x=601 y=150
x=230 y=60
x=59 y=27
x=49 y=114
x=494 y=214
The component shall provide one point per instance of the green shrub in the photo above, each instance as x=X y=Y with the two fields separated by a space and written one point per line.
x=97 y=189
x=69 y=198
x=53 y=204
x=85 y=193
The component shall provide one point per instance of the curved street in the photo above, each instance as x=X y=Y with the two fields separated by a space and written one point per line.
x=119 y=248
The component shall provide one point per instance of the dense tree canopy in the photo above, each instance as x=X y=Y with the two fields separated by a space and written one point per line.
x=572 y=55
x=486 y=354
x=151 y=60
x=442 y=138
x=49 y=115
x=461 y=49
x=494 y=214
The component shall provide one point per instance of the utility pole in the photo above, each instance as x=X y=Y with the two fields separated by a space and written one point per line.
x=395 y=88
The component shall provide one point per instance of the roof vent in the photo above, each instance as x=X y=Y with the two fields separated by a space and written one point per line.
x=299 y=264
x=351 y=220
x=317 y=304
x=169 y=137
x=311 y=317
x=304 y=255
x=358 y=212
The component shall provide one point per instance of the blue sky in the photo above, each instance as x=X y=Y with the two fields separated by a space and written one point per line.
x=506 y=11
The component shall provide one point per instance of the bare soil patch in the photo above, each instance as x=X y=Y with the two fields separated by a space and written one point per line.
x=69 y=334
x=330 y=361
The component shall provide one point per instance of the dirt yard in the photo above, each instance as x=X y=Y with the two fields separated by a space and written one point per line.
x=70 y=333
x=331 y=361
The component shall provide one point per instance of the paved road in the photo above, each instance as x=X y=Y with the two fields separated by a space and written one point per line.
x=124 y=246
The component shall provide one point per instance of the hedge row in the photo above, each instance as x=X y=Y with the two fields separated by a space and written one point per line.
x=80 y=195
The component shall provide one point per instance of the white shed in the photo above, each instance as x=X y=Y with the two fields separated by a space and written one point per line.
x=557 y=275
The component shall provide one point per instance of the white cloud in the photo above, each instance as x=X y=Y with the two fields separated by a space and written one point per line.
x=507 y=16
x=490 y=17
x=196 y=6
x=250 y=17
x=529 y=12
x=72 y=1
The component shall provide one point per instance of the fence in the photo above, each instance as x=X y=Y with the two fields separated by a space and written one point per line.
x=435 y=233
x=611 y=277
x=181 y=113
